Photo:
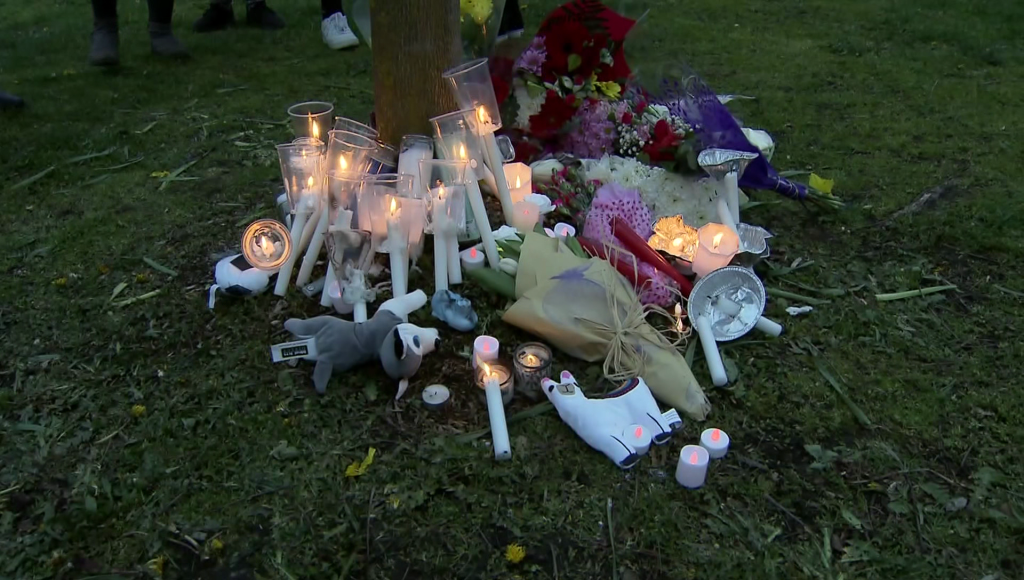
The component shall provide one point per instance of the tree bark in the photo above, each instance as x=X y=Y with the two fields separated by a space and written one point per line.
x=414 y=41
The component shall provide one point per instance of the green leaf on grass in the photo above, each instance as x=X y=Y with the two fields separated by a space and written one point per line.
x=29 y=181
x=118 y=289
x=852 y=519
x=159 y=267
x=89 y=156
x=370 y=391
x=146 y=129
x=861 y=417
x=90 y=503
x=899 y=507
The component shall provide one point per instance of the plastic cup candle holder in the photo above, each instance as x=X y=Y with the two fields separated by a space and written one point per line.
x=472 y=87
x=266 y=244
x=506 y=379
x=716 y=442
x=485 y=348
x=692 y=468
x=532 y=362
x=311 y=119
x=373 y=204
x=412 y=150
x=383 y=159
x=445 y=180
x=348 y=152
x=520 y=180
x=716 y=246
x=352 y=126
x=302 y=172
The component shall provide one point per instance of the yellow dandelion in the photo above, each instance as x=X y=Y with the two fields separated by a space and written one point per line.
x=359 y=467
x=394 y=501
x=61 y=282
x=138 y=411
x=156 y=565
x=104 y=269
x=515 y=553
x=216 y=545
x=287 y=422
x=142 y=277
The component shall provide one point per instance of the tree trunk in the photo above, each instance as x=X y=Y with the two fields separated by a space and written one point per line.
x=414 y=41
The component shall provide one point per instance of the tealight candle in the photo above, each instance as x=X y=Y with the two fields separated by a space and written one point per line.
x=520 y=180
x=525 y=216
x=716 y=245
x=485 y=349
x=716 y=442
x=638 y=438
x=532 y=362
x=436 y=397
x=692 y=468
x=564 y=230
x=471 y=259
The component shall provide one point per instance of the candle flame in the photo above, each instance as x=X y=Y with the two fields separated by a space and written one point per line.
x=440 y=192
x=679 y=317
x=309 y=182
x=532 y=360
x=678 y=242
x=472 y=253
x=490 y=374
x=482 y=116
x=694 y=459
x=462 y=151
x=717 y=241
x=342 y=163
x=716 y=435
x=266 y=245
x=638 y=432
x=394 y=206
x=518 y=182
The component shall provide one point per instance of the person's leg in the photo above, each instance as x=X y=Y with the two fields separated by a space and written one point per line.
x=9 y=101
x=104 y=48
x=218 y=16
x=259 y=15
x=334 y=26
x=511 y=20
x=161 y=40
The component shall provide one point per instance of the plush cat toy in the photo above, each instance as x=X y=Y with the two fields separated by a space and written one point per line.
x=340 y=345
x=603 y=423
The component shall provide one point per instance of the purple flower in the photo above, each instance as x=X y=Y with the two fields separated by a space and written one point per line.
x=533 y=58
x=594 y=133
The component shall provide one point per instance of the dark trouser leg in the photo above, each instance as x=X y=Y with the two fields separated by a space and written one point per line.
x=104 y=9
x=160 y=11
x=328 y=7
x=104 y=48
x=511 y=18
x=161 y=40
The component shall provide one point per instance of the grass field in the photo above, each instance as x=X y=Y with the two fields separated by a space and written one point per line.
x=236 y=468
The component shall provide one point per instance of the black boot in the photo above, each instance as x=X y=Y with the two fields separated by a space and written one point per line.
x=259 y=15
x=104 y=50
x=9 y=101
x=164 y=43
x=217 y=17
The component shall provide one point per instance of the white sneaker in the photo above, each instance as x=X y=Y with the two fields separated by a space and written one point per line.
x=336 y=32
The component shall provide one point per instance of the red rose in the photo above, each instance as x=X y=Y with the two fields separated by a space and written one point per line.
x=627 y=118
x=641 y=107
x=571 y=41
x=501 y=89
x=663 y=142
x=501 y=77
x=554 y=114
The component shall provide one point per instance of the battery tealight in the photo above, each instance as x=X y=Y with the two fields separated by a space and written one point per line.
x=638 y=438
x=716 y=442
x=692 y=468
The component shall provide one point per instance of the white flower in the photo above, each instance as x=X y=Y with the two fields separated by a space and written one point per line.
x=655 y=113
x=528 y=106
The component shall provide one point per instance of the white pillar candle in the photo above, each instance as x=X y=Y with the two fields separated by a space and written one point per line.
x=471 y=259
x=454 y=265
x=343 y=221
x=692 y=468
x=732 y=187
x=284 y=275
x=707 y=342
x=520 y=180
x=496 y=413
x=725 y=213
x=485 y=175
x=439 y=217
x=485 y=349
x=409 y=163
x=397 y=247
x=765 y=325
x=493 y=158
x=476 y=202
x=716 y=245
x=564 y=230
x=359 y=311
x=638 y=438
x=313 y=252
x=525 y=216
x=716 y=442
x=335 y=300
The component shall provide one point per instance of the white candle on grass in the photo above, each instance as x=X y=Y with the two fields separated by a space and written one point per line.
x=765 y=325
x=313 y=252
x=496 y=413
x=285 y=273
x=493 y=158
x=476 y=202
x=440 y=223
x=471 y=259
x=692 y=468
x=638 y=438
x=716 y=442
x=397 y=247
x=454 y=265
x=732 y=188
x=714 y=358
x=485 y=348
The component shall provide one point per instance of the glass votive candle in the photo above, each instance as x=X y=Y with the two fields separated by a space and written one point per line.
x=346 y=124
x=525 y=216
x=716 y=245
x=266 y=244
x=473 y=88
x=505 y=380
x=348 y=152
x=532 y=362
x=311 y=119
x=383 y=159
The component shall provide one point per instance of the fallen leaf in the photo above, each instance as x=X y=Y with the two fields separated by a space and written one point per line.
x=956 y=504
x=118 y=289
x=821 y=184
x=359 y=468
x=160 y=174
x=284 y=452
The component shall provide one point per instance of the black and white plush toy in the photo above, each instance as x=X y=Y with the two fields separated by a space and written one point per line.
x=235 y=276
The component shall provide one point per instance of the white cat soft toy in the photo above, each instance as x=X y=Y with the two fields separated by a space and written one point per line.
x=603 y=423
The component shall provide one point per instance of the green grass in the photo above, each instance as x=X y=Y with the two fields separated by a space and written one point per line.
x=889 y=98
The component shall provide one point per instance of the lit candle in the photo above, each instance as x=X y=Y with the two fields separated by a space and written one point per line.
x=532 y=362
x=505 y=381
x=520 y=180
x=638 y=438
x=496 y=413
x=692 y=468
x=436 y=397
x=564 y=230
x=314 y=127
x=485 y=348
x=266 y=244
x=342 y=222
x=440 y=219
x=284 y=275
x=525 y=216
x=716 y=442
x=716 y=246
x=397 y=247
x=730 y=308
x=710 y=346
x=494 y=158
x=471 y=259
x=454 y=264
x=476 y=203
x=315 y=244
